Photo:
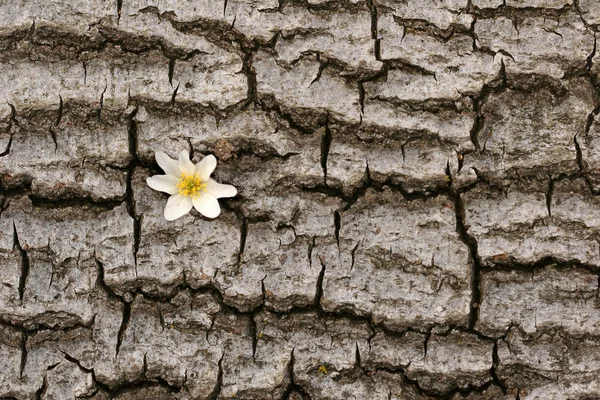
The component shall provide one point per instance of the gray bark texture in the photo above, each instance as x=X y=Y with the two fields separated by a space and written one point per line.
x=418 y=214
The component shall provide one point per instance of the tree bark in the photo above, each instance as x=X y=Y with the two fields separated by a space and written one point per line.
x=417 y=213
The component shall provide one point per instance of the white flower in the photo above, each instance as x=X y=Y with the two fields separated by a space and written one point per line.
x=189 y=185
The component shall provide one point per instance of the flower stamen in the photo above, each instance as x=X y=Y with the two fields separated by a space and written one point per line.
x=190 y=185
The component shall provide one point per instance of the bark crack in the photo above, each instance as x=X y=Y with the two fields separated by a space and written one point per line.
x=25 y=264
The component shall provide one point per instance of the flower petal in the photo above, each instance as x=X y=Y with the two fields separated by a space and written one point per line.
x=170 y=166
x=163 y=183
x=207 y=205
x=177 y=206
x=206 y=167
x=185 y=165
x=218 y=190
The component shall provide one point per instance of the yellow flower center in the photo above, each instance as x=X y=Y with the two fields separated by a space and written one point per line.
x=190 y=185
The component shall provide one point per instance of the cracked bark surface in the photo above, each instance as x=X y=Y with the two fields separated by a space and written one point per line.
x=417 y=217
